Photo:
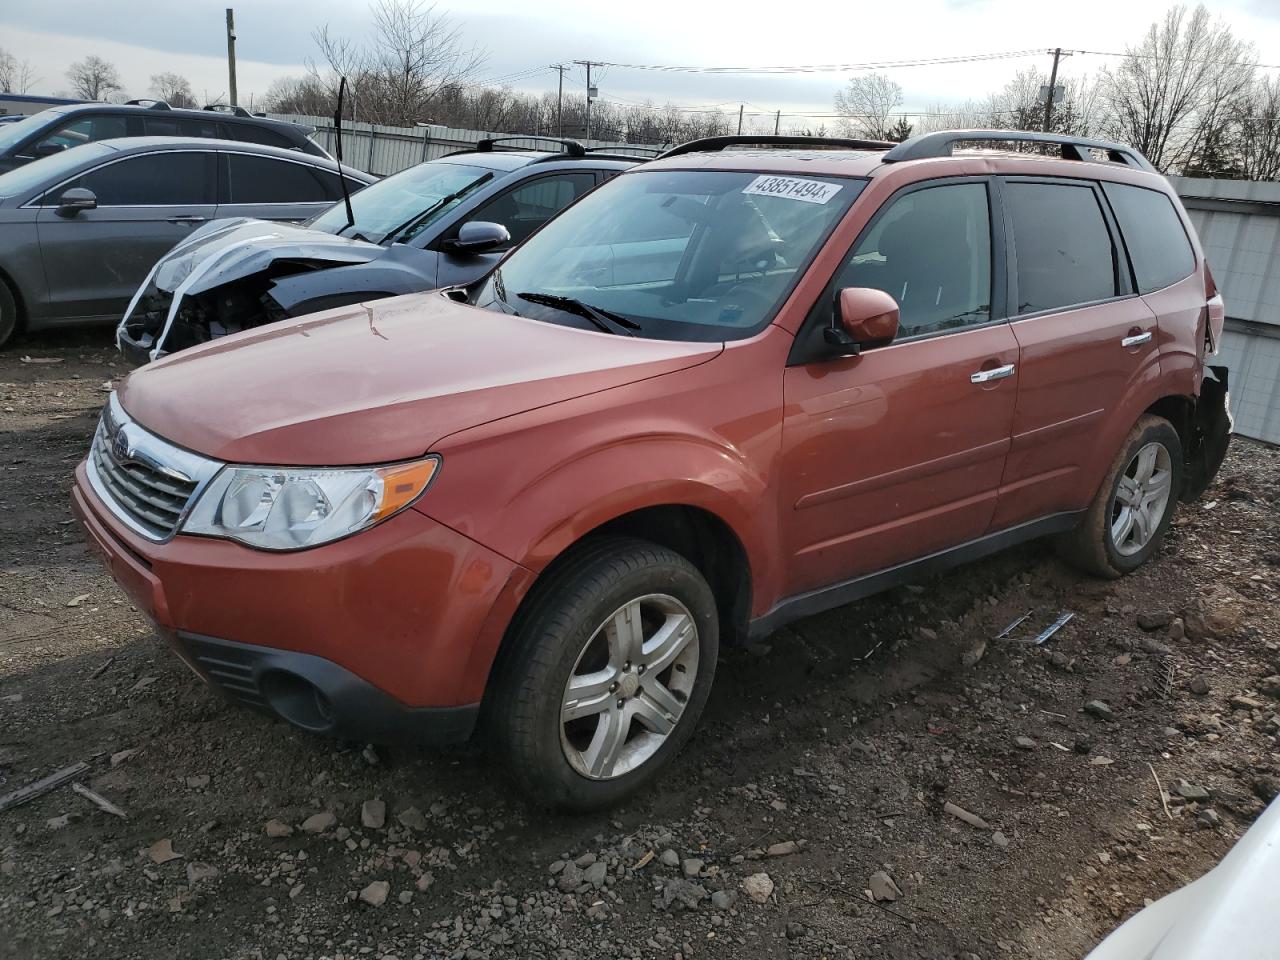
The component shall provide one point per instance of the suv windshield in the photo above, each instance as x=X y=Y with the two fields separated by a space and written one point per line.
x=681 y=255
x=394 y=208
x=14 y=133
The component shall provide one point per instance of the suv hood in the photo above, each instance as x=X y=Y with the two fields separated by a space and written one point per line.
x=230 y=249
x=380 y=382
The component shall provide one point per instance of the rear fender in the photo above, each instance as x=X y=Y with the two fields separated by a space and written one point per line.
x=1210 y=434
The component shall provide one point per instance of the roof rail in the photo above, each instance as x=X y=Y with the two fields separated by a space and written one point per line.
x=942 y=144
x=712 y=144
x=489 y=144
x=645 y=150
x=234 y=110
x=149 y=104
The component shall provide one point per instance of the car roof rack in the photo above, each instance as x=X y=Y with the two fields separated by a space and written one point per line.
x=713 y=144
x=942 y=144
x=149 y=104
x=490 y=144
x=610 y=153
x=233 y=109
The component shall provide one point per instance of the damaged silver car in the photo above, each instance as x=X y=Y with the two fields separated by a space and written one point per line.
x=441 y=223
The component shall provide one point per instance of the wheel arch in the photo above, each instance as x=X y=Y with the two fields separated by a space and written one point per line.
x=1203 y=425
x=701 y=536
x=19 y=304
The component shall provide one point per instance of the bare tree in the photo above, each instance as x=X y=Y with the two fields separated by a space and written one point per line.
x=93 y=78
x=173 y=88
x=1170 y=90
x=16 y=76
x=866 y=104
x=394 y=76
x=1256 y=122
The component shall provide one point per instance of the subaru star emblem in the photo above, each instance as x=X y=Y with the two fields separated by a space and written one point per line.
x=120 y=446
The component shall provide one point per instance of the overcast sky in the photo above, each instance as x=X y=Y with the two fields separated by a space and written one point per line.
x=143 y=38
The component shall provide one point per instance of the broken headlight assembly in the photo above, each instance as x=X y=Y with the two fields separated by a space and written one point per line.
x=288 y=508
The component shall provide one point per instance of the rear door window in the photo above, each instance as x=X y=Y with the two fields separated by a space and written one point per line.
x=1159 y=248
x=1062 y=245
x=191 y=127
x=173 y=178
x=268 y=180
x=163 y=127
x=931 y=252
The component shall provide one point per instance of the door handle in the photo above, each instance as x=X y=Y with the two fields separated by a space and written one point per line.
x=996 y=373
x=188 y=219
x=1136 y=339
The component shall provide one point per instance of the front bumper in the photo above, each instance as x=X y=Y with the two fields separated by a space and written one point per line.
x=409 y=610
x=316 y=694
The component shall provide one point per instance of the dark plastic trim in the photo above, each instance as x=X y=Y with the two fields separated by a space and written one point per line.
x=932 y=145
x=715 y=144
x=847 y=591
x=354 y=709
x=234 y=110
x=488 y=145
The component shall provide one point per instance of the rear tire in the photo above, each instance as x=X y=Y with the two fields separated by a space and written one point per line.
x=1128 y=518
x=610 y=666
x=8 y=314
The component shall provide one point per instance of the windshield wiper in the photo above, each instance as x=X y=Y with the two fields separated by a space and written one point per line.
x=606 y=320
x=418 y=218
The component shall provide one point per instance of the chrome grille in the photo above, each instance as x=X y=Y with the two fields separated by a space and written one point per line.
x=145 y=481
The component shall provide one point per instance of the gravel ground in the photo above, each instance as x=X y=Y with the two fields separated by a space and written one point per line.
x=812 y=815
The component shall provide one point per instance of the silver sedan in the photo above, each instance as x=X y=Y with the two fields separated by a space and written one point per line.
x=79 y=230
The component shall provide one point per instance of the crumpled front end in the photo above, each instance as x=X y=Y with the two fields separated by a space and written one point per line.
x=218 y=282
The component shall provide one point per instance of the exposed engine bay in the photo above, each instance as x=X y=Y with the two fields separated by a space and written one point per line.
x=237 y=275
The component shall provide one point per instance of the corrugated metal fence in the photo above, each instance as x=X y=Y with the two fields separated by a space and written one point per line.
x=383 y=150
x=1239 y=227
x=1238 y=223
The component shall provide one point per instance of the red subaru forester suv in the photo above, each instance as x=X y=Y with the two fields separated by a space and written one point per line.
x=744 y=383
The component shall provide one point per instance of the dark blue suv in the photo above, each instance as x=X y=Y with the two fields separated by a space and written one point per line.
x=61 y=128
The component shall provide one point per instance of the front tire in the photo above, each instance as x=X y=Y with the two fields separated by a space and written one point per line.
x=8 y=314
x=609 y=669
x=1127 y=521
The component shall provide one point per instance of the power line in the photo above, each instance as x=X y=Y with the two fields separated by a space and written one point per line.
x=834 y=67
x=1161 y=56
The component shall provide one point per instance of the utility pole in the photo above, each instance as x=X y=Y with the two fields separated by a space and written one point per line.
x=740 y=119
x=560 y=68
x=777 y=122
x=591 y=91
x=231 y=52
x=1053 y=82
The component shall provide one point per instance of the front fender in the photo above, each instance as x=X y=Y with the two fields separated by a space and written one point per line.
x=549 y=512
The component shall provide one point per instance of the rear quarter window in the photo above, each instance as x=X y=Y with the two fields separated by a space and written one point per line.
x=252 y=133
x=1159 y=248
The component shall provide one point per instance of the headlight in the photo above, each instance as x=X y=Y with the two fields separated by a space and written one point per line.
x=287 y=508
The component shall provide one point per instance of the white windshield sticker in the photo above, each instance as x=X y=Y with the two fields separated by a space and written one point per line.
x=793 y=188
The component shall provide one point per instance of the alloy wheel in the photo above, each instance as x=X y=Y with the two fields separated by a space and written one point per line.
x=1141 y=499
x=629 y=686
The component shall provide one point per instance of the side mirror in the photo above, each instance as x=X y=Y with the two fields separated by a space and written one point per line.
x=48 y=149
x=865 y=317
x=479 y=236
x=75 y=200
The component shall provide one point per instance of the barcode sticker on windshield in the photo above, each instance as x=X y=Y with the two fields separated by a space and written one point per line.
x=793 y=188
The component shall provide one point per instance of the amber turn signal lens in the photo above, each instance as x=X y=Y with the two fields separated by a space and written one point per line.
x=403 y=484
